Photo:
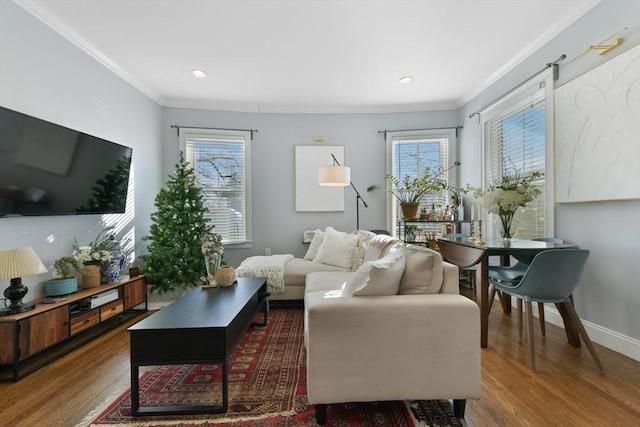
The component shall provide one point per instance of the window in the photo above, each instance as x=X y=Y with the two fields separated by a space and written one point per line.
x=516 y=137
x=222 y=164
x=409 y=153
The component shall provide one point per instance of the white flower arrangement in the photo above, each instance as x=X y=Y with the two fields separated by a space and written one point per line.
x=505 y=198
x=87 y=255
x=212 y=244
x=98 y=251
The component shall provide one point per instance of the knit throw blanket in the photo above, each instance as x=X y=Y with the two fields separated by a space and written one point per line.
x=271 y=267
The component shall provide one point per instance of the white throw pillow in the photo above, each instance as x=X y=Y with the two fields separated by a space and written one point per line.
x=337 y=248
x=375 y=278
x=422 y=273
x=364 y=237
x=317 y=240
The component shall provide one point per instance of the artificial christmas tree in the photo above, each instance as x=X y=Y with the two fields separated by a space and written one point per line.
x=175 y=259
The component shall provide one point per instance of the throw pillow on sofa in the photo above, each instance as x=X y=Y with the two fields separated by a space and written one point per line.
x=364 y=237
x=422 y=273
x=317 y=240
x=379 y=277
x=337 y=248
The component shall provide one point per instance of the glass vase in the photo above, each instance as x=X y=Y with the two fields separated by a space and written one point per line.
x=506 y=226
x=212 y=263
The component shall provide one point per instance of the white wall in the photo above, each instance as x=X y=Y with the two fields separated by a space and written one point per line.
x=608 y=296
x=43 y=75
x=276 y=224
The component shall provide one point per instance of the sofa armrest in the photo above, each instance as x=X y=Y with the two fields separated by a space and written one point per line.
x=450 y=279
x=391 y=348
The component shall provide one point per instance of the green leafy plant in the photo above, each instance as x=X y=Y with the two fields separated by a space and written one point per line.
x=413 y=189
x=65 y=266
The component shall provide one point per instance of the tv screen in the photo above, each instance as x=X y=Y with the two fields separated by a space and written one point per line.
x=48 y=169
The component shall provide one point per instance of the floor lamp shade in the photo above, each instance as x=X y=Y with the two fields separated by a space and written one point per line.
x=334 y=176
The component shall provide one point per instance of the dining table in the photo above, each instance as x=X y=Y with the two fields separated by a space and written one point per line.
x=464 y=252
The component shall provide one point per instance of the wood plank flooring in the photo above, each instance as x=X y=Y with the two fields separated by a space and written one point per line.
x=566 y=390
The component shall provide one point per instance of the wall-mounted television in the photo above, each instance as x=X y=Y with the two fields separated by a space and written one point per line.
x=48 y=169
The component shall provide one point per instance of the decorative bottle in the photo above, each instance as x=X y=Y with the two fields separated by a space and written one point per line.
x=460 y=210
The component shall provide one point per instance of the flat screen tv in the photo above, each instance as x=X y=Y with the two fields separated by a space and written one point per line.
x=48 y=169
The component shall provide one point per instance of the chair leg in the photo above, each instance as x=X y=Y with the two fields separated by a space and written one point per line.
x=541 y=317
x=492 y=296
x=532 y=351
x=519 y=308
x=583 y=333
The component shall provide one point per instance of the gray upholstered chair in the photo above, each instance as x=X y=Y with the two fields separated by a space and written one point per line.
x=513 y=274
x=551 y=277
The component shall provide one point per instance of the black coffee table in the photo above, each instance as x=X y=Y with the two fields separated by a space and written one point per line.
x=202 y=327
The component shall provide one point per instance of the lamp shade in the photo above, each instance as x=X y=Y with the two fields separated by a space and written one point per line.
x=334 y=176
x=20 y=262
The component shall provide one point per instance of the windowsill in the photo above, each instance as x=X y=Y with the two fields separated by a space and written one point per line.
x=239 y=245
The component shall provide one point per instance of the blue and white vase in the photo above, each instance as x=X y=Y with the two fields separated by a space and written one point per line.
x=111 y=271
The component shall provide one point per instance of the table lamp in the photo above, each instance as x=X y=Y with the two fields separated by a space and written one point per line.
x=340 y=176
x=15 y=263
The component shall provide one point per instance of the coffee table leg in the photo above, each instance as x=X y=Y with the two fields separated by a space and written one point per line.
x=225 y=387
x=135 y=391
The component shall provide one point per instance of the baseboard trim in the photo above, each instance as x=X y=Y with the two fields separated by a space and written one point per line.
x=608 y=338
x=613 y=340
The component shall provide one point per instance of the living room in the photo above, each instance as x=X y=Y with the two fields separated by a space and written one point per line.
x=46 y=76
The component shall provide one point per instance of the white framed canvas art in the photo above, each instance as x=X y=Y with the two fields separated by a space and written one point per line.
x=597 y=141
x=310 y=196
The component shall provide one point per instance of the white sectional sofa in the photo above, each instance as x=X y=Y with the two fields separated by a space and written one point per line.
x=395 y=329
x=383 y=321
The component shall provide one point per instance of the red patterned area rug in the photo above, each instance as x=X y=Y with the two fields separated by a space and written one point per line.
x=267 y=388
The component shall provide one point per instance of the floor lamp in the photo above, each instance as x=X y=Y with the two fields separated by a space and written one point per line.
x=340 y=176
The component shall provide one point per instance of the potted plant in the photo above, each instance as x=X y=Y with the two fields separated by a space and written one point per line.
x=410 y=190
x=65 y=281
x=423 y=214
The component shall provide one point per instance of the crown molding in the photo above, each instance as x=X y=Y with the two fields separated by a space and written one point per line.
x=37 y=9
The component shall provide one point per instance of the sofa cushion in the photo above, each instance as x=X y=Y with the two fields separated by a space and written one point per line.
x=379 y=277
x=297 y=269
x=422 y=272
x=326 y=281
x=317 y=240
x=337 y=248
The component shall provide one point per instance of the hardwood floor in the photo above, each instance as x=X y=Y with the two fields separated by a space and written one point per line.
x=566 y=390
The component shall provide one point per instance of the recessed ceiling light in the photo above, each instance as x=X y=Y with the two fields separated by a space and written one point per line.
x=406 y=80
x=199 y=73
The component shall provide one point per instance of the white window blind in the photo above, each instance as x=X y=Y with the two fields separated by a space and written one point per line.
x=412 y=152
x=515 y=140
x=221 y=163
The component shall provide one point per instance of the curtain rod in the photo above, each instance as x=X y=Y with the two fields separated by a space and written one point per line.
x=385 y=131
x=196 y=127
x=553 y=64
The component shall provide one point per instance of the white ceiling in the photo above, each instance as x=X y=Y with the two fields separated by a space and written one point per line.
x=310 y=56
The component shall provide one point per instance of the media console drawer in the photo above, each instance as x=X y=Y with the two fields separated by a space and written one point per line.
x=111 y=309
x=85 y=320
